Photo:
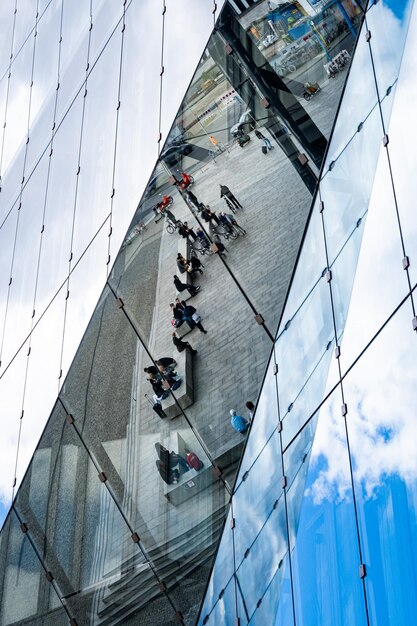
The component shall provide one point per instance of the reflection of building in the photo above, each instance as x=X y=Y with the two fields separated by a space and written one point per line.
x=322 y=508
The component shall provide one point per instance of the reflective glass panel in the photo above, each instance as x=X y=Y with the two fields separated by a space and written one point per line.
x=324 y=545
x=253 y=504
x=347 y=188
x=380 y=393
x=401 y=147
x=302 y=354
x=388 y=22
x=23 y=581
x=264 y=556
x=359 y=99
x=264 y=423
x=221 y=577
x=276 y=600
x=380 y=281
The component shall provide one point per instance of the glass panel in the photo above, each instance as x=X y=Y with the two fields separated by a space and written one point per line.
x=16 y=130
x=226 y=609
x=22 y=580
x=380 y=281
x=264 y=425
x=303 y=45
x=266 y=554
x=93 y=200
x=221 y=577
x=380 y=393
x=25 y=249
x=303 y=352
x=58 y=199
x=39 y=377
x=78 y=531
x=276 y=602
x=45 y=79
x=158 y=469
x=401 y=149
x=253 y=508
x=310 y=265
x=388 y=22
x=74 y=50
x=85 y=286
x=346 y=190
x=359 y=99
x=11 y=393
x=324 y=545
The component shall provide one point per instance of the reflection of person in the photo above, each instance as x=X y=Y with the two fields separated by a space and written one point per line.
x=188 y=232
x=193 y=199
x=229 y=220
x=239 y=423
x=264 y=139
x=182 y=345
x=177 y=315
x=182 y=263
x=179 y=286
x=228 y=195
x=251 y=408
x=177 y=459
x=166 y=361
x=192 y=317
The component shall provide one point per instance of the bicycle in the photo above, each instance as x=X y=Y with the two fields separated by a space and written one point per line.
x=202 y=246
x=171 y=226
x=226 y=231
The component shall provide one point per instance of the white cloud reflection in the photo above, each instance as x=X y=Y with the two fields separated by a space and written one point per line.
x=380 y=391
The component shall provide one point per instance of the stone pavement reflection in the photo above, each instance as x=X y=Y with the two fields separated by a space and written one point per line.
x=231 y=360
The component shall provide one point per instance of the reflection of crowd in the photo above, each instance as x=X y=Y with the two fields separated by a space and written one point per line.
x=162 y=376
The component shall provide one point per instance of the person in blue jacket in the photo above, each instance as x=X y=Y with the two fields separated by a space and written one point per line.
x=239 y=423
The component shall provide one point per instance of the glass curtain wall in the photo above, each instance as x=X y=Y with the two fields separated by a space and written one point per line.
x=126 y=495
x=322 y=517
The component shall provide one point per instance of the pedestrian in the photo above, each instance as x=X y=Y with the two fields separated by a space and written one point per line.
x=192 y=317
x=182 y=264
x=151 y=369
x=166 y=361
x=228 y=195
x=266 y=142
x=221 y=248
x=163 y=464
x=251 y=408
x=195 y=265
x=182 y=345
x=169 y=214
x=177 y=315
x=176 y=459
x=158 y=390
x=229 y=220
x=212 y=215
x=202 y=237
x=193 y=199
x=188 y=232
x=179 y=286
x=239 y=423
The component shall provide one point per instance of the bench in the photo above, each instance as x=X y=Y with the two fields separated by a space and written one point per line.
x=185 y=392
x=192 y=481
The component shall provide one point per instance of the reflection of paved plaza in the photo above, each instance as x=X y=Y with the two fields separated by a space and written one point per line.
x=231 y=358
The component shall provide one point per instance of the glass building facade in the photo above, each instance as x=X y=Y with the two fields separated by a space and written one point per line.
x=290 y=159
